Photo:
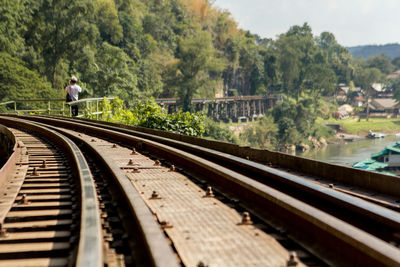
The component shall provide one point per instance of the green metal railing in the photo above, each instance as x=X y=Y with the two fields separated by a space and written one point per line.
x=56 y=106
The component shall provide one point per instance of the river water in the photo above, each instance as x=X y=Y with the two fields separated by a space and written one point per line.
x=348 y=153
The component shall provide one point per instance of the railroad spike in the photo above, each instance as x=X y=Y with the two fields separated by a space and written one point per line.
x=135 y=170
x=209 y=192
x=3 y=232
x=155 y=195
x=293 y=259
x=35 y=172
x=130 y=162
x=157 y=163
x=24 y=200
x=114 y=146
x=133 y=151
x=165 y=224
x=172 y=168
x=93 y=140
x=246 y=219
x=201 y=264
x=44 y=165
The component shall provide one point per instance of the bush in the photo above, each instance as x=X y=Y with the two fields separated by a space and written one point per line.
x=150 y=115
x=218 y=131
x=320 y=130
x=262 y=134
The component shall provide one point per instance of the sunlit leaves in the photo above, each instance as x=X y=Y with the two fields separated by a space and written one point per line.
x=150 y=115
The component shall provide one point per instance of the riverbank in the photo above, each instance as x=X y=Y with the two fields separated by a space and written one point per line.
x=347 y=153
x=352 y=126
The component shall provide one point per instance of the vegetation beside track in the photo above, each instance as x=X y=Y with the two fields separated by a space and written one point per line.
x=288 y=125
x=149 y=114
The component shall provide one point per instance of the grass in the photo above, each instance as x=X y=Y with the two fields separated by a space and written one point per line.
x=353 y=126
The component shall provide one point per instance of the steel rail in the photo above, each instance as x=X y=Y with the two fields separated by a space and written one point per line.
x=90 y=247
x=376 y=182
x=306 y=223
x=157 y=249
x=362 y=213
x=10 y=151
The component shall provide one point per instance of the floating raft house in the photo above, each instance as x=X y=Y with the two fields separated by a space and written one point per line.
x=388 y=158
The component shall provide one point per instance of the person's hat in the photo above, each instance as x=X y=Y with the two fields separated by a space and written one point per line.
x=74 y=79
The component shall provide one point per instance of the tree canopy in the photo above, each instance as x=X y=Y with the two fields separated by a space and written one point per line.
x=171 y=48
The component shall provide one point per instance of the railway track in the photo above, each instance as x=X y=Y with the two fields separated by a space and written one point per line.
x=354 y=182
x=39 y=216
x=56 y=211
x=321 y=222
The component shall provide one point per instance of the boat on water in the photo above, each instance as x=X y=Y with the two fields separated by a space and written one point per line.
x=383 y=162
x=373 y=135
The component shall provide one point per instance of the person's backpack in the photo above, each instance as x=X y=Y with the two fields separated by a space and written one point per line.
x=68 y=98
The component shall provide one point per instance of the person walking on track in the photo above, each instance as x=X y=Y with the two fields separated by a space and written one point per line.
x=73 y=91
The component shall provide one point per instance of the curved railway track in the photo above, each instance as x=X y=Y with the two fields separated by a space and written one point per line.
x=55 y=211
x=321 y=222
x=40 y=215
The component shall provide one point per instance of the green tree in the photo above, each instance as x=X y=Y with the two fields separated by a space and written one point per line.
x=395 y=85
x=321 y=80
x=195 y=60
x=295 y=121
x=380 y=62
x=338 y=58
x=262 y=134
x=218 y=131
x=107 y=21
x=116 y=74
x=14 y=15
x=296 y=50
x=59 y=30
x=396 y=63
x=365 y=78
x=18 y=82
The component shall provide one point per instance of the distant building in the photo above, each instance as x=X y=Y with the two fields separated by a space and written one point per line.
x=345 y=93
x=390 y=155
x=384 y=107
x=358 y=101
x=381 y=91
x=342 y=91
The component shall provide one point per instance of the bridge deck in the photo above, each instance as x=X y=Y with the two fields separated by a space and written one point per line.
x=202 y=230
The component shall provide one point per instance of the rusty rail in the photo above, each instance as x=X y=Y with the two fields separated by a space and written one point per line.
x=306 y=223
x=376 y=182
x=292 y=184
x=10 y=151
x=90 y=242
x=155 y=246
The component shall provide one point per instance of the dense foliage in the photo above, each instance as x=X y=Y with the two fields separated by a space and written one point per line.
x=149 y=114
x=173 y=48
x=218 y=131
x=169 y=48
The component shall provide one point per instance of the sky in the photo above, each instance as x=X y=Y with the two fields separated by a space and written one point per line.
x=353 y=22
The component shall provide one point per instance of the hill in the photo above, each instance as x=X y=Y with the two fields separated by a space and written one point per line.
x=390 y=50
